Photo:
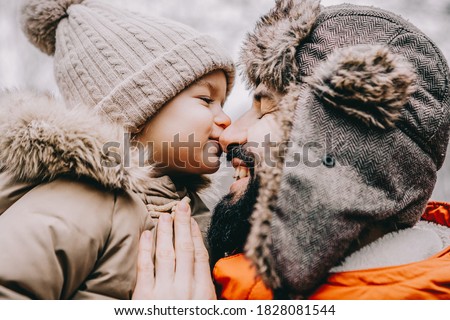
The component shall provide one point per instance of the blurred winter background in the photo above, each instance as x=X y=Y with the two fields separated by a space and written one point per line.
x=23 y=66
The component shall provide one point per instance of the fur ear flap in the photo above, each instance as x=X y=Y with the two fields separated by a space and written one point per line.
x=367 y=82
x=268 y=54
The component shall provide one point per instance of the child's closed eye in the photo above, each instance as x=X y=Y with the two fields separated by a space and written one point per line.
x=206 y=99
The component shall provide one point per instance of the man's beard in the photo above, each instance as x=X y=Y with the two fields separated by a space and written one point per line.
x=230 y=224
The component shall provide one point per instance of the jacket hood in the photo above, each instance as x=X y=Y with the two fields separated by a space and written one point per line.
x=366 y=121
x=41 y=139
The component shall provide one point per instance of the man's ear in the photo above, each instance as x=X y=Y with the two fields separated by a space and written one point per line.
x=268 y=53
x=367 y=82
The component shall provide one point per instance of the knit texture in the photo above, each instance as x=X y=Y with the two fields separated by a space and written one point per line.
x=356 y=158
x=123 y=64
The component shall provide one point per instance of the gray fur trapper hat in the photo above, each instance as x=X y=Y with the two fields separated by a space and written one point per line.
x=366 y=94
x=123 y=64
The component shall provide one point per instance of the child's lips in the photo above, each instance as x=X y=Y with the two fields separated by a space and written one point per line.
x=215 y=148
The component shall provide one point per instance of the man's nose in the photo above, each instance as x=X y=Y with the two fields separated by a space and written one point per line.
x=234 y=134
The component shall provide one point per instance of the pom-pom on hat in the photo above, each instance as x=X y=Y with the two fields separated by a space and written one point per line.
x=123 y=64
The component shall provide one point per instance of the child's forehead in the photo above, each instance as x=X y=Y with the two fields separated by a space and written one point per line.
x=208 y=84
x=213 y=85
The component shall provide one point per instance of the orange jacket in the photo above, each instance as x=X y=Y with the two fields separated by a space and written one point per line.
x=427 y=279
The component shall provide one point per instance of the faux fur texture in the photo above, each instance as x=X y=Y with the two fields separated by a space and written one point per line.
x=40 y=140
x=268 y=54
x=259 y=240
x=367 y=82
x=40 y=19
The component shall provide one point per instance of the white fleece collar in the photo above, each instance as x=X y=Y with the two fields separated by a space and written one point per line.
x=414 y=244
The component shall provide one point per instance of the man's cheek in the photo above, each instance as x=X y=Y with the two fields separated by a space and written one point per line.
x=264 y=136
x=274 y=128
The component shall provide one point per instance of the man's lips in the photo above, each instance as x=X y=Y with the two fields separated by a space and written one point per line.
x=240 y=169
x=240 y=154
x=239 y=185
x=243 y=163
x=236 y=162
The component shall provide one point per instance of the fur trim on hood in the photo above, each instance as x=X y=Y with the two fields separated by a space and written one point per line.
x=41 y=139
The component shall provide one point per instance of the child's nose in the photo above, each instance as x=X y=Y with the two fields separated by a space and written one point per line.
x=222 y=119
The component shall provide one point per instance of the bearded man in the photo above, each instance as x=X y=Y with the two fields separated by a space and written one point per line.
x=336 y=161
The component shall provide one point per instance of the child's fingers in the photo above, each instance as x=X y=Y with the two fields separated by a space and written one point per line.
x=145 y=268
x=165 y=254
x=184 y=249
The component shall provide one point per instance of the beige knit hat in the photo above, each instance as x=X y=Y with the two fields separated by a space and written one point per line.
x=125 y=65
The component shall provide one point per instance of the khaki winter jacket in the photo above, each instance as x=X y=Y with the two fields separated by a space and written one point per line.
x=71 y=217
x=69 y=240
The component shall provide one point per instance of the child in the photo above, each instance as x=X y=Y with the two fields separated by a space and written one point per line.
x=72 y=207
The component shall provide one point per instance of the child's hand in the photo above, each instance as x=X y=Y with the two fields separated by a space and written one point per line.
x=178 y=273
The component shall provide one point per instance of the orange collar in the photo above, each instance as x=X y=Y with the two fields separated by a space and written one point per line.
x=437 y=212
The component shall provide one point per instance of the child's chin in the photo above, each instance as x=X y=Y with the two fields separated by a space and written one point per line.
x=210 y=168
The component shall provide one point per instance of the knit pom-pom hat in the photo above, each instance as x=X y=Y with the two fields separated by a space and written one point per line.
x=123 y=64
